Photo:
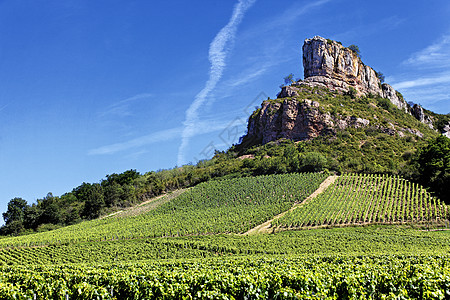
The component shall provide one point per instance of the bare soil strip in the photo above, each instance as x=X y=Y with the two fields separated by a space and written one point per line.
x=265 y=227
x=146 y=206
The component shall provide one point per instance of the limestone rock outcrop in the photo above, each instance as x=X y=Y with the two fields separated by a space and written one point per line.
x=289 y=119
x=419 y=114
x=446 y=130
x=327 y=63
x=390 y=93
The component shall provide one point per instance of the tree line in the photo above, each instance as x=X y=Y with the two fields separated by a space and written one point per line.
x=429 y=166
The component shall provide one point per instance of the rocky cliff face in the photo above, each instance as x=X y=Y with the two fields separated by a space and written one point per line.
x=327 y=64
x=419 y=114
x=295 y=120
x=446 y=130
x=289 y=119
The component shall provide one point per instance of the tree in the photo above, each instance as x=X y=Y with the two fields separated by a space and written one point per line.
x=434 y=166
x=126 y=177
x=50 y=211
x=94 y=200
x=14 y=216
x=289 y=79
x=355 y=49
x=380 y=76
x=32 y=217
x=15 y=211
x=313 y=162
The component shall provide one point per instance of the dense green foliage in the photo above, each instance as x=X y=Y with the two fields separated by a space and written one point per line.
x=373 y=240
x=434 y=164
x=230 y=205
x=86 y=201
x=385 y=277
x=355 y=50
x=362 y=199
x=386 y=145
x=367 y=262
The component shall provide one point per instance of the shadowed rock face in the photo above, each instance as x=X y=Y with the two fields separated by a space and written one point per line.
x=446 y=130
x=290 y=119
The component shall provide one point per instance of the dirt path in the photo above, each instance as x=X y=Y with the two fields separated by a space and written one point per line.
x=146 y=206
x=265 y=227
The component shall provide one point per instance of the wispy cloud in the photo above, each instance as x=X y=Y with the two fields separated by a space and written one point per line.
x=437 y=55
x=291 y=14
x=202 y=127
x=424 y=81
x=122 y=108
x=156 y=137
x=218 y=51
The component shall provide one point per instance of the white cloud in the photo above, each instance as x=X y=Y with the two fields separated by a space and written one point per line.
x=201 y=127
x=424 y=81
x=121 y=108
x=156 y=137
x=436 y=55
x=218 y=51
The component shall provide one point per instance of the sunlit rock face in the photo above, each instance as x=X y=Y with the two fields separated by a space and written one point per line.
x=328 y=64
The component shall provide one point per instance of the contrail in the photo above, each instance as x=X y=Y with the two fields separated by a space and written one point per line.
x=217 y=55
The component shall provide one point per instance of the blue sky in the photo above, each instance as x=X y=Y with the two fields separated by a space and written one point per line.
x=89 y=88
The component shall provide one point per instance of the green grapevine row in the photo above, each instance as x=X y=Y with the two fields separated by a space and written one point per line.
x=365 y=199
x=223 y=206
x=285 y=277
x=371 y=240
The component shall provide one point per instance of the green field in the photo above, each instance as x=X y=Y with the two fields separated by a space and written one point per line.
x=374 y=240
x=367 y=199
x=191 y=245
x=225 y=206
x=280 y=277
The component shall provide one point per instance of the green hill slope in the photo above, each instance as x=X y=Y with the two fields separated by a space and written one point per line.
x=223 y=206
x=364 y=199
x=370 y=240
x=353 y=263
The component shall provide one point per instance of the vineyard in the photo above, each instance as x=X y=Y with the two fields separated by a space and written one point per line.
x=365 y=199
x=286 y=277
x=223 y=206
x=189 y=245
x=343 y=241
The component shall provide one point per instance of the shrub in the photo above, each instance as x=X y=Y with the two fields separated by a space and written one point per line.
x=352 y=92
x=380 y=76
x=355 y=50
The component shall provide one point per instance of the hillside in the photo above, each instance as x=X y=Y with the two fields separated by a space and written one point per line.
x=131 y=256
x=225 y=206
x=323 y=198
x=340 y=117
x=359 y=200
x=343 y=111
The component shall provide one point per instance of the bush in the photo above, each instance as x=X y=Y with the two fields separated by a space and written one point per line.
x=385 y=104
x=355 y=50
x=380 y=76
x=352 y=92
